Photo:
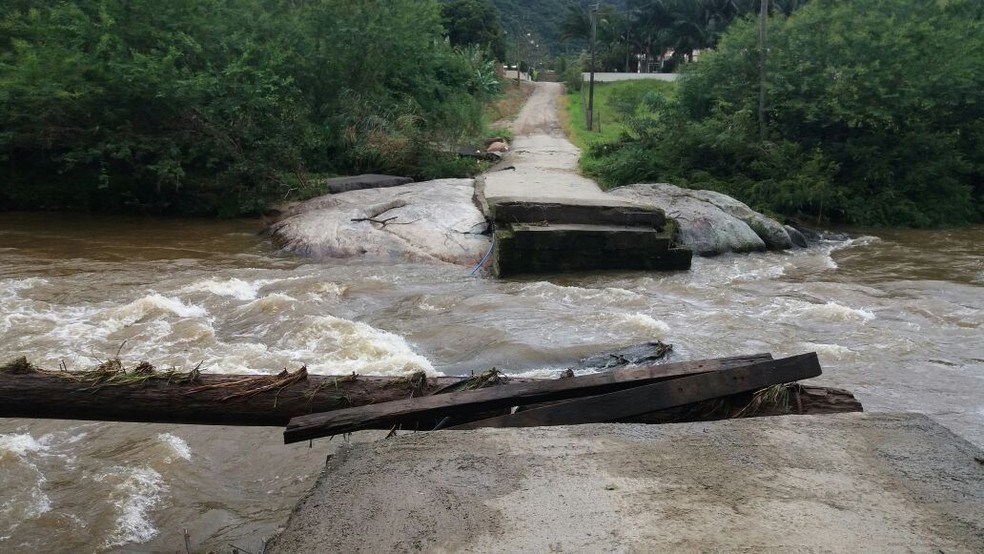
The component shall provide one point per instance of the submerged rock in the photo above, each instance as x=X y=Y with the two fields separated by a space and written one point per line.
x=711 y=223
x=797 y=237
x=420 y=222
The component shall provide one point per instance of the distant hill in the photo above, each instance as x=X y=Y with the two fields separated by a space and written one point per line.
x=541 y=18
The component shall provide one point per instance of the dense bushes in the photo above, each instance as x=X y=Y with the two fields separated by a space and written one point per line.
x=200 y=106
x=874 y=116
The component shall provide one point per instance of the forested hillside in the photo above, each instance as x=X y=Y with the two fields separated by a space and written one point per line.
x=625 y=28
x=543 y=19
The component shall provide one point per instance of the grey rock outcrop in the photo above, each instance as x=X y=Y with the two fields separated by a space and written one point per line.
x=420 y=222
x=710 y=223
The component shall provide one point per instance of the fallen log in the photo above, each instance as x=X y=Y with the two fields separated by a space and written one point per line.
x=112 y=392
x=263 y=400
x=786 y=399
x=410 y=411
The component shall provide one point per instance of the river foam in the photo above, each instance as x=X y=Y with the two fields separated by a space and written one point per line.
x=831 y=311
x=135 y=492
x=18 y=452
x=177 y=445
x=333 y=345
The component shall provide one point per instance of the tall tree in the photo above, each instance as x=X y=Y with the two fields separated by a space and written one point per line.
x=207 y=105
x=475 y=22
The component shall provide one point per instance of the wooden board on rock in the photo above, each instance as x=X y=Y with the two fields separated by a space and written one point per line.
x=658 y=396
x=436 y=407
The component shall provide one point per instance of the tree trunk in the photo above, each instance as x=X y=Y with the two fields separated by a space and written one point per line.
x=208 y=399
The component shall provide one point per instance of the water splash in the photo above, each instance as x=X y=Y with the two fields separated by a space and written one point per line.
x=18 y=454
x=234 y=288
x=137 y=490
x=178 y=446
x=334 y=345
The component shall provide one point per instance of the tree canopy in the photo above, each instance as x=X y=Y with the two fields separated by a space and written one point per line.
x=874 y=116
x=214 y=105
x=475 y=22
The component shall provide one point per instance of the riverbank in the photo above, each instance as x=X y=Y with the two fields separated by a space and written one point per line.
x=884 y=482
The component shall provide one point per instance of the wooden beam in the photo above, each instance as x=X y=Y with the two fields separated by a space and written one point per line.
x=658 y=396
x=409 y=411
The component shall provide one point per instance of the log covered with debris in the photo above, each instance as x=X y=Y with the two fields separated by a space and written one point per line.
x=113 y=392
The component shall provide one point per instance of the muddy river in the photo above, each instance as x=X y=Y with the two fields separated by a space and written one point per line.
x=896 y=317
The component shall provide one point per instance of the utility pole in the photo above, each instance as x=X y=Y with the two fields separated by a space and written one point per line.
x=594 y=35
x=763 y=18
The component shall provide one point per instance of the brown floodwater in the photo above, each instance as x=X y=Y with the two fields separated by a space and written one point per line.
x=896 y=317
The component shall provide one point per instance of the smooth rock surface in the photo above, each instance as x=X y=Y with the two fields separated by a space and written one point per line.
x=710 y=223
x=874 y=483
x=420 y=222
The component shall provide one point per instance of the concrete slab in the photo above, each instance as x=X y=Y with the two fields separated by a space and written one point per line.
x=842 y=483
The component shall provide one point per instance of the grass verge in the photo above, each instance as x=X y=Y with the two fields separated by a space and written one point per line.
x=615 y=104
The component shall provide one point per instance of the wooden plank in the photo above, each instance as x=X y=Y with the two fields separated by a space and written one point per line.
x=661 y=395
x=465 y=403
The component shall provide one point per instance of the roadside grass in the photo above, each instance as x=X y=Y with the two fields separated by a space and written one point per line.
x=614 y=104
x=610 y=100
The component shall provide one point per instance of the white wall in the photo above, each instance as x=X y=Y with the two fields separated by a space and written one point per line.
x=610 y=77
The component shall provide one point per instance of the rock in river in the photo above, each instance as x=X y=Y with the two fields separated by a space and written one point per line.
x=710 y=223
x=419 y=222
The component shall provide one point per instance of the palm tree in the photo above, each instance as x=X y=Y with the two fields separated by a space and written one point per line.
x=576 y=25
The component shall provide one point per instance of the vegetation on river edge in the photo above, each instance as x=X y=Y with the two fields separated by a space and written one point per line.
x=216 y=106
x=873 y=116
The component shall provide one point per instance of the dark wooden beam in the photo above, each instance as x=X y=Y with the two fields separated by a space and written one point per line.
x=408 y=412
x=658 y=396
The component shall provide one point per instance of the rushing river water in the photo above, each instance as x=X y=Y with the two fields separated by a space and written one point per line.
x=896 y=317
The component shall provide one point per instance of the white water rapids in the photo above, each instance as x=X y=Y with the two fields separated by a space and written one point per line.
x=896 y=317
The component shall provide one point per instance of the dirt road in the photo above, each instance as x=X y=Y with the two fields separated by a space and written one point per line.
x=545 y=161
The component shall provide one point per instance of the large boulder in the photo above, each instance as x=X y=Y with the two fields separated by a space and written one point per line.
x=710 y=223
x=421 y=222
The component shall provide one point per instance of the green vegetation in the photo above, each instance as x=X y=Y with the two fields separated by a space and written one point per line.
x=655 y=35
x=540 y=18
x=874 y=116
x=216 y=106
x=474 y=22
x=617 y=107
